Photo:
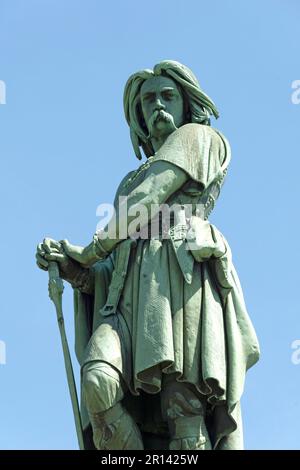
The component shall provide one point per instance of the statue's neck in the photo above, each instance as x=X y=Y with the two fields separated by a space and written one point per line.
x=157 y=142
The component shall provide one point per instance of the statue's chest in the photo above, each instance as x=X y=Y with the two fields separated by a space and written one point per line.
x=135 y=178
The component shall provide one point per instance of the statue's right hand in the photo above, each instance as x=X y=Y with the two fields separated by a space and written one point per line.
x=50 y=250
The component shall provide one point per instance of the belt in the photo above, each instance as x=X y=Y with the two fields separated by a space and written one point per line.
x=176 y=233
x=123 y=251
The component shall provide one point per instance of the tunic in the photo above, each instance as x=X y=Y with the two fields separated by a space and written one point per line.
x=178 y=311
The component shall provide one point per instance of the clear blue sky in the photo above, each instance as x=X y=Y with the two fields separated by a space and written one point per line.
x=65 y=146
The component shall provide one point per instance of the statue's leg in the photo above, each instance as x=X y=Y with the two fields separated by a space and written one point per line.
x=234 y=440
x=185 y=414
x=113 y=427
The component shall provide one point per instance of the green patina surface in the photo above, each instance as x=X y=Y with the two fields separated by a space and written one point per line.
x=162 y=332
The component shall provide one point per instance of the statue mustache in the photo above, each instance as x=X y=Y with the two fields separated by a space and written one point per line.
x=159 y=113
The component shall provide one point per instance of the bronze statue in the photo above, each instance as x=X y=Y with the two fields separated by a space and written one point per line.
x=162 y=332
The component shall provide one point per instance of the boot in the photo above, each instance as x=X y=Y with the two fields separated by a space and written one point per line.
x=190 y=433
x=115 y=429
x=187 y=423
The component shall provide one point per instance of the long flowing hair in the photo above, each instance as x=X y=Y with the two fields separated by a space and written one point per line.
x=198 y=106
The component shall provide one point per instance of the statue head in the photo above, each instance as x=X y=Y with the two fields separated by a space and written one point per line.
x=158 y=101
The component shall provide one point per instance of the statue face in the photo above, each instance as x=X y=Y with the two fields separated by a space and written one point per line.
x=162 y=105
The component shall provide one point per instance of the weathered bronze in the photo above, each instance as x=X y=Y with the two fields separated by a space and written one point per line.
x=163 y=337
